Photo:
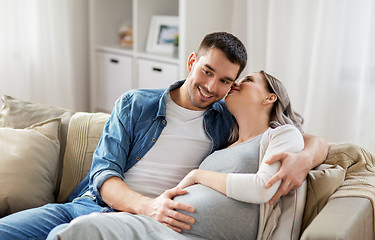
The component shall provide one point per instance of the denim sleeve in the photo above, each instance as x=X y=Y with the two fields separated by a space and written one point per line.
x=111 y=155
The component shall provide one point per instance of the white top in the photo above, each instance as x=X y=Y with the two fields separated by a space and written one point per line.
x=181 y=147
x=249 y=187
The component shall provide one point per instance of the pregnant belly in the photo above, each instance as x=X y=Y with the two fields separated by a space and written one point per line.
x=218 y=216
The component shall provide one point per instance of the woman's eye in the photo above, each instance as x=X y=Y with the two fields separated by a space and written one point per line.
x=248 y=80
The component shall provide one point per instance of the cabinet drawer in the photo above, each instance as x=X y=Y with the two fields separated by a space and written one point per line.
x=153 y=74
x=114 y=76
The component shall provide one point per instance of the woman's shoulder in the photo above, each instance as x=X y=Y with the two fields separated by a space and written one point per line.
x=287 y=129
x=284 y=134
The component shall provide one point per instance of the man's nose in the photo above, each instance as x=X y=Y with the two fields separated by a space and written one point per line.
x=212 y=85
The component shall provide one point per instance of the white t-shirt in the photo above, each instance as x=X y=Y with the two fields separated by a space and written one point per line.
x=181 y=147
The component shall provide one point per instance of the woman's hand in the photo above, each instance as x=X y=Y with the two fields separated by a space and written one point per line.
x=215 y=180
x=189 y=179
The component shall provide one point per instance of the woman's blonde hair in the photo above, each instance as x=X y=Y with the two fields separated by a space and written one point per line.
x=281 y=113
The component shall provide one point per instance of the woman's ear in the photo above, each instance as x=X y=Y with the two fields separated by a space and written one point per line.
x=271 y=98
x=191 y=60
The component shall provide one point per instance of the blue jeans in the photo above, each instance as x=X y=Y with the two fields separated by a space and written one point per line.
x=36 y=223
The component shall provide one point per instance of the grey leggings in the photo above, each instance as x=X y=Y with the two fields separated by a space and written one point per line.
x=116 y=226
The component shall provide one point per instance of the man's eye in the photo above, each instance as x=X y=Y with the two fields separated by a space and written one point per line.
x=225 y=81
x=207 y=72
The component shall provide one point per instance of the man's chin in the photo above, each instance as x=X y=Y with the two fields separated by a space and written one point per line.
x=203 y=105
x=200 y=103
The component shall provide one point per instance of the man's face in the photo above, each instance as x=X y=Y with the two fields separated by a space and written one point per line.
x=210 y=78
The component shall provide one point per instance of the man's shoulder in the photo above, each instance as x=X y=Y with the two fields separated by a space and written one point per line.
x=221 y=108
x=142 y=96
x=138 y=101
x=147 y=93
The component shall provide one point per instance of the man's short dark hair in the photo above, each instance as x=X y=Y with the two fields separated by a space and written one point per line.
x=230 y=45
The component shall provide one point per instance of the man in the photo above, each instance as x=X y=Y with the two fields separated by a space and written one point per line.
x=154 y=138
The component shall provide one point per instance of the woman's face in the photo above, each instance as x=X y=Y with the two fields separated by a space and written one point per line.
x=249 y=91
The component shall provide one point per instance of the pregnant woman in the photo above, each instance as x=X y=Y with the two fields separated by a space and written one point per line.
x=228 y=190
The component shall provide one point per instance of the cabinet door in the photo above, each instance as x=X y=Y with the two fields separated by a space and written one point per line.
x=153 y=74
x=114 y=78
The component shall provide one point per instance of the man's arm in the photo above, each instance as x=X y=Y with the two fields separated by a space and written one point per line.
x=117 y=194
x=110 y=161
x=295 y=166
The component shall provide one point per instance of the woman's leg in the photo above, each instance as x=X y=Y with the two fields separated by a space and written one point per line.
x=53 y=233
x=116 y=226
x=36 y=223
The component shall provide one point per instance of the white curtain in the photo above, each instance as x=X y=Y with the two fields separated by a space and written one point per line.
x=44 y=51
x=324 y=52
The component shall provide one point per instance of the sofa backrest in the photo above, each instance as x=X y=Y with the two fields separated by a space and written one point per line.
x=19 y=114
x=85 y=130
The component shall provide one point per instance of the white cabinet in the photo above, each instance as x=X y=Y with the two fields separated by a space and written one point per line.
x=153 y=74
x=114 y=75
x=196 y=19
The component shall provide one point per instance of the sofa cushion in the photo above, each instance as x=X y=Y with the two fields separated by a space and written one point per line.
x=322 y=182
x=28 y=163
x=85 y=130
x=17 y=113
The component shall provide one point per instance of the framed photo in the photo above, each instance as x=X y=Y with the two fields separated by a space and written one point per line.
x=163 y=30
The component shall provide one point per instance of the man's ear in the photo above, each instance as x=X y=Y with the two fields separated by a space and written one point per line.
x=191 y=60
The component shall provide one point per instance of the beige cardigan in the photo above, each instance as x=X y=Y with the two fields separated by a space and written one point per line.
x=274 y=223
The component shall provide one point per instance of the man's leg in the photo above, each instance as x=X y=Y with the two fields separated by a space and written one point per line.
x=36 y=223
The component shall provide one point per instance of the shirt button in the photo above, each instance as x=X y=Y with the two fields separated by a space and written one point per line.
x=154 y=140
x=164 y=122
x=138 y=158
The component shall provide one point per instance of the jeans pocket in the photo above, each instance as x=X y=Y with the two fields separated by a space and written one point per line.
x=88 y=196
x=107 y=210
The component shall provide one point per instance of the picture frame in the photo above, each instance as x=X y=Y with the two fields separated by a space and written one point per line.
x=162 y=33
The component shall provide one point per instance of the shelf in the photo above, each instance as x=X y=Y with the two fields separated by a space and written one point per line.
x=167 y=58
x=116 y=49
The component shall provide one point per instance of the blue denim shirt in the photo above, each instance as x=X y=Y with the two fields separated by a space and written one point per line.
x=134 y=126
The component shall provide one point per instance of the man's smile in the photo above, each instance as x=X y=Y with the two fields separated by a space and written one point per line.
x=204 y=93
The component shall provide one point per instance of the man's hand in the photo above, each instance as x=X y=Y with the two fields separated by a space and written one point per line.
x=163 y=209
x=293 y=171
x=295 y=166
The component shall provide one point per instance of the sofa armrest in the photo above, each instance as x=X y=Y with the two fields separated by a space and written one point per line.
x=342 y=218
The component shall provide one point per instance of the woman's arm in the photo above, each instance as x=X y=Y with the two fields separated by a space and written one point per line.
x=214 y=180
